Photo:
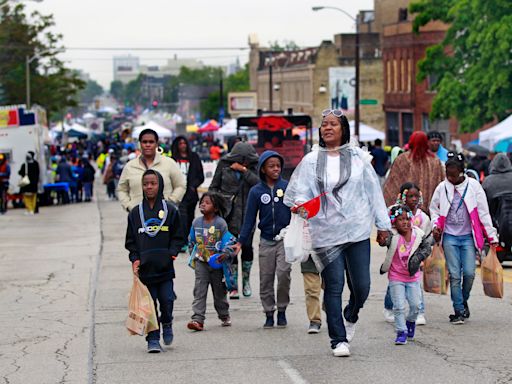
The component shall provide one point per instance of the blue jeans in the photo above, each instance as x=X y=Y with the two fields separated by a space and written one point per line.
x=388 y=302
x=163 y=296
x=355 y=262
x=87 y=190
x=460 y=253
x=400 y=292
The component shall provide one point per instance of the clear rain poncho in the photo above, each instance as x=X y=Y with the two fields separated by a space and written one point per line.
x=353 y=203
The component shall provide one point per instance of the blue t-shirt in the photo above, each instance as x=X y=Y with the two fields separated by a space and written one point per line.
x=381 y=158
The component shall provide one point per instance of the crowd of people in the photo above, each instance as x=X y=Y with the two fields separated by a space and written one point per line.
x=416 y=198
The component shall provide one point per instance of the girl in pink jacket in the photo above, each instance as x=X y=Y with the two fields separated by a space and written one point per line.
x=461 y=221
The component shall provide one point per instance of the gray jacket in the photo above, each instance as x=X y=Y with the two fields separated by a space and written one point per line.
x=420 y=250
x=234 y=186
x=500 y=179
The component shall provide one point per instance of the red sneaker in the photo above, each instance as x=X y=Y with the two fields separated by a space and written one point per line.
x=195 y=325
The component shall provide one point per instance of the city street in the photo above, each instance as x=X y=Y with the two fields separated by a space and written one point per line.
x=64 y=285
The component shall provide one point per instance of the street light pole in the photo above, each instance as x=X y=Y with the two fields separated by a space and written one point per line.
x=357 y=62
x=270 y=85
x=27 y=80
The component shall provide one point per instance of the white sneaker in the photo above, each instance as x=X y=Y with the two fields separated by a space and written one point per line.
x=341 y=350
x=389 y=316
x=420 y=320
x=350 y=329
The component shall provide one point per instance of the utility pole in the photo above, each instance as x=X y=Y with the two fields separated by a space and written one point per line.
x=356 y=62
x=270 y=85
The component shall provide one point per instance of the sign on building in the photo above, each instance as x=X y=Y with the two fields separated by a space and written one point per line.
x=342 y=82
x=242 y=103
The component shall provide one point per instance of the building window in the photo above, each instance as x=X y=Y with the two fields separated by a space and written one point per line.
x=392 y=128
x=432 y=79
x=402 y=75
x=409 y=75
x=402 y=14
x=395 y=76
x=407 y=126
x=425 y=122
x=388 y=76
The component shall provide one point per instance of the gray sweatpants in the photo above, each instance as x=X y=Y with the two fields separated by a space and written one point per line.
x=205 y=276
x=272 y=264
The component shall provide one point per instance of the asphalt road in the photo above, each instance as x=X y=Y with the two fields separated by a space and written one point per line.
x=64 y=285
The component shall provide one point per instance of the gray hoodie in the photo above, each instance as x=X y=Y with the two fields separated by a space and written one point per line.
x=499 y=180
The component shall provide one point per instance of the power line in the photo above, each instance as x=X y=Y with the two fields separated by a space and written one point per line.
x=156 y=48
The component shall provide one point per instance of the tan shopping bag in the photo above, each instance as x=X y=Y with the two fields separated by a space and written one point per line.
x=435 y=272
x=492 y=275
x=141 y=310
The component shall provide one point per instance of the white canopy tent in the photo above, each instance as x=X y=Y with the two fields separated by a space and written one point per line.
x=366 y=133
x=228 y=129
x=71 y=127
x=490 y=137
x=161 y=131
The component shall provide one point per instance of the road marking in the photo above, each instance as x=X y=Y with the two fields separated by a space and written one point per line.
x=292 y=373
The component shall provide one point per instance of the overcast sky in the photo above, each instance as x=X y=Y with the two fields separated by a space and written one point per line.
x=188 y=23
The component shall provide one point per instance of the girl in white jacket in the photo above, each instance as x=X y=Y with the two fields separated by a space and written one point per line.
x=461 y=220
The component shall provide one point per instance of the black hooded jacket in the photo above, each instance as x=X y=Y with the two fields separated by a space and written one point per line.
x=154 y=253
x=234 y=186
x=195 y=175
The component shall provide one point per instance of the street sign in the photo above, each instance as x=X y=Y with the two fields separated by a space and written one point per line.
x=368 y=102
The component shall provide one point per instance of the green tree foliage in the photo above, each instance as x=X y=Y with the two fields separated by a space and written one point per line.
x=473 y=64
x=236 y=82
x=117 y=90
x=91 y=90
x=53 y=86
x=286 y=45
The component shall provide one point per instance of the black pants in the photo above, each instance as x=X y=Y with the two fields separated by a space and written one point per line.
x=187 y=211
x=247 y=253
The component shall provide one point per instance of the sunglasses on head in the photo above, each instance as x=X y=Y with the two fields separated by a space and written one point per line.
x=458 y=156
x=335 y=112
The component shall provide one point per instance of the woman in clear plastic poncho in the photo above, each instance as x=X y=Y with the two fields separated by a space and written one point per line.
x=340 y=232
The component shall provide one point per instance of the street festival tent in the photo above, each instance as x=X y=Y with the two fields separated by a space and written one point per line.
x=366 y=133
x=161 y=131
x=210 y=126
x=72 y=130
x=492 y=136
x=227 y=130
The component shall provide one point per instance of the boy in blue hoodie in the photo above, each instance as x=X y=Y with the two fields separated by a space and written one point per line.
x=267 y=198
x=154 y=238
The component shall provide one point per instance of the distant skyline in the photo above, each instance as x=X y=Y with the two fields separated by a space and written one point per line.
x=192 y=23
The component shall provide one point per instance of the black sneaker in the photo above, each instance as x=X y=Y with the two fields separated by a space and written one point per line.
x=281 y=319
x=269 y=322
x=466 y=312
x=457 y=319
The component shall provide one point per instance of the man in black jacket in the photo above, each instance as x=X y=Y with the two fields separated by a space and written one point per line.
x=154 y=237
x=191 y=167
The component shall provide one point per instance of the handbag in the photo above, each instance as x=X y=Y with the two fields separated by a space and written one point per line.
x=24 y=181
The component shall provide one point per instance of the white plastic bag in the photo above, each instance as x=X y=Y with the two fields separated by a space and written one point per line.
x=296 y=240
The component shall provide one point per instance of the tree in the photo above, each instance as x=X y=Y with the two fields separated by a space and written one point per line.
x=91 y=90
x=473 y=64
x=53 y=86
x=117 y=90
x=286 y=45
x=236 y=82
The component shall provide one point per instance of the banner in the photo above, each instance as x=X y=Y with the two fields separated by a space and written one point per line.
x=9 y=118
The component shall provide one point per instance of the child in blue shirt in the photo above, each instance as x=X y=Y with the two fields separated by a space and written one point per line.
x=209 y=236
x=266 y=197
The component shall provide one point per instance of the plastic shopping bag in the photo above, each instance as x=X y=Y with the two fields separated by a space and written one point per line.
x=142 y=317
x=435 y=272
x=295 y=243
x=492 y=275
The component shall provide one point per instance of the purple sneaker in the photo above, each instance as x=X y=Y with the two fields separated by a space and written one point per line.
x=401 y=338
x=411 y=327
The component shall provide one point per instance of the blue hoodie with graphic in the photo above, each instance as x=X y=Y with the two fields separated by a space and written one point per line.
x=274 y=215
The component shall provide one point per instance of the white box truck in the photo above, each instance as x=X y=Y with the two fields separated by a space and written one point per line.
x=22 y=131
